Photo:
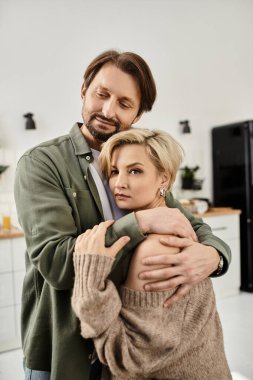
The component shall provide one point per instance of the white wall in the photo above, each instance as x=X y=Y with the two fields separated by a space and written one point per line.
x=200 y=52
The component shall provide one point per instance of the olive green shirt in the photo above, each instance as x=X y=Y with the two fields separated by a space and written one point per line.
x=57 y=200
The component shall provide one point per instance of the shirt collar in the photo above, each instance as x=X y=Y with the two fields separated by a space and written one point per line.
x=81 y=146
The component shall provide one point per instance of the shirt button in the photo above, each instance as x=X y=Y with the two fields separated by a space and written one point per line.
x=88 y=158
x=74 y=195
x=84 y=177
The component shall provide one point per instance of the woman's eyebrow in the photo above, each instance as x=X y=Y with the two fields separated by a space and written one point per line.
x=135 y=163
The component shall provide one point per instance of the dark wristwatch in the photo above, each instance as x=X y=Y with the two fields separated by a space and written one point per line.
x=219 y=267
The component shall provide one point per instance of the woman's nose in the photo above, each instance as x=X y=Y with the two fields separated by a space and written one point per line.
x=121 y=181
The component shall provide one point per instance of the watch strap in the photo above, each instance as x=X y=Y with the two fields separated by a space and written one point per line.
x=220 y=267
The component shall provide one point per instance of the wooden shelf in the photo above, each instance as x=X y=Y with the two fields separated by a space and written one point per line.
x=216 y=211
x=13 y=233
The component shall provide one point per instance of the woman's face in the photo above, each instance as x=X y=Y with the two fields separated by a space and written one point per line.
x=134 y=180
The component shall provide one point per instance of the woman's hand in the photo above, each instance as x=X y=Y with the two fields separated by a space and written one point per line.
x=93 y=241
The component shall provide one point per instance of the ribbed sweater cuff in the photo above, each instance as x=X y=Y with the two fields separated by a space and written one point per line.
x=91 y=271
x=135 y=298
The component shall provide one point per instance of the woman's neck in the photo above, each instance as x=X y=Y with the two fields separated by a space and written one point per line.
x=160 y=202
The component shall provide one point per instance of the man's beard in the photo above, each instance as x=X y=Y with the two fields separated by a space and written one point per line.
x=99 y=135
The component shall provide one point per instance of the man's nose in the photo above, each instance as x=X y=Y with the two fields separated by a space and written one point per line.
x=109 y=109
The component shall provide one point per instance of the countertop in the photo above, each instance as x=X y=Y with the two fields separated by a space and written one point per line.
x=218 y=211
x=13 y=233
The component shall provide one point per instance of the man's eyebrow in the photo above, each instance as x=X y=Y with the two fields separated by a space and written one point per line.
x=100 y=87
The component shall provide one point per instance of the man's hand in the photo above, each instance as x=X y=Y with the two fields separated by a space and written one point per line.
x=165 y=221
x=184 y=270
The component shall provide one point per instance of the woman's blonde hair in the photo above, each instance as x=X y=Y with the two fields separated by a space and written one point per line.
x=164 y=151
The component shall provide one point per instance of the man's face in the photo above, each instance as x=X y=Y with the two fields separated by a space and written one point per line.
x=111 y=103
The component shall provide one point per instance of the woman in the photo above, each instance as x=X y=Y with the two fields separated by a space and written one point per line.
x=134 y=336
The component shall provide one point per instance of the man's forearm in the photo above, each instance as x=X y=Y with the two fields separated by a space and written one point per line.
x=165 y=220
x=204 y=234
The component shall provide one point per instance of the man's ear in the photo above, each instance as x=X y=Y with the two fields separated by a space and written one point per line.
x=137 y=118
x=83 y=90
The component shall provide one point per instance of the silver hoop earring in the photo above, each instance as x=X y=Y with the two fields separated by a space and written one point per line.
x=162 y=192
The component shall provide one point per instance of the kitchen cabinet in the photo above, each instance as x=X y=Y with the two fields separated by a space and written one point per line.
x=12 y=270
x=225 y=224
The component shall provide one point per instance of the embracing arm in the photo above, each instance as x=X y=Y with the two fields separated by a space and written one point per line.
x=162 y=220
x=203 y=232
x=172 y=220
x=195 y=262
x=114 y=324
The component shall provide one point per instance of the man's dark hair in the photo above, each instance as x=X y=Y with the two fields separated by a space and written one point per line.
x=131 y=64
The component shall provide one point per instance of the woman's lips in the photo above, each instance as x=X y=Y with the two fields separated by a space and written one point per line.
x=122 y=196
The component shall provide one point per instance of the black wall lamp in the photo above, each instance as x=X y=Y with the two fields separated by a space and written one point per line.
x=30 y=123
x=186 y=126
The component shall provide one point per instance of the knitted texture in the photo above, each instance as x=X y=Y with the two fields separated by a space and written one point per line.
x=136 y=338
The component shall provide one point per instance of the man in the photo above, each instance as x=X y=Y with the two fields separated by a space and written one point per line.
x=59 y=194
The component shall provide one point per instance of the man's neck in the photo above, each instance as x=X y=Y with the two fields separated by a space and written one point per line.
x=92 y=142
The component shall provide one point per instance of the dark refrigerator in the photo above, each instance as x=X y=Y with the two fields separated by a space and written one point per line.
x=232 y=150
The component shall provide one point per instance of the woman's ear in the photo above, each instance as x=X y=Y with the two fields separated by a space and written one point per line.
x=165 y=180
x=83 y=90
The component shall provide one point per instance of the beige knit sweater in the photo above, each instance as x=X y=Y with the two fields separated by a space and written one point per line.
x=136 y=338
